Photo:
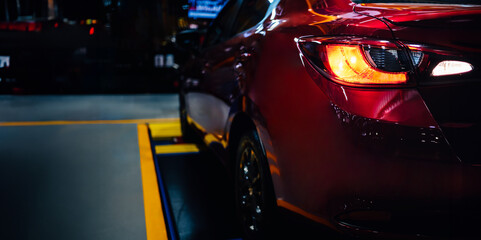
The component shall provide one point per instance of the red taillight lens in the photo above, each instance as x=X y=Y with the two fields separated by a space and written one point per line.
x=360 y=62
x=348 y=64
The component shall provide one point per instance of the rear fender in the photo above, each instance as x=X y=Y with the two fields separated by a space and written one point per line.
x=244 y=116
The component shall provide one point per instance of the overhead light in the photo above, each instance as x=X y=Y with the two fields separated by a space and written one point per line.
x=445 y=68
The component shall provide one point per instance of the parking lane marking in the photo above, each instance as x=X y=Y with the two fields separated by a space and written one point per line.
x=80 y=122
x=154 y=216
x=176 y=149
x=170 y=131
x=165 y=130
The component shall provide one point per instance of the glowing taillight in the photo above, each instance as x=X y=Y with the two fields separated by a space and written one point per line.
x=348 y=64
x=367 y=62
x=446 y=68
x=360 y=61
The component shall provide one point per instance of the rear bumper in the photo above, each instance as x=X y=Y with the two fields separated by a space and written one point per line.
x=375 y=163
x=412 y=184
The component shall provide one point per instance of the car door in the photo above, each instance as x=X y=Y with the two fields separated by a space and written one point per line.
x=223 y=61
x=208 y=105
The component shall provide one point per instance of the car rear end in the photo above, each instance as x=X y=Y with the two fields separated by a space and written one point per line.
x=410 y=117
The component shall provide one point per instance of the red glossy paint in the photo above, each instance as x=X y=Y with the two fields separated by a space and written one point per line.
x=344 y=155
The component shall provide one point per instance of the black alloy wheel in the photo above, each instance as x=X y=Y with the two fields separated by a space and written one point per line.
x=253 y=185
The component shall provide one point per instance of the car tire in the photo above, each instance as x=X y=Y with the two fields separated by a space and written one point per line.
x=255 y=201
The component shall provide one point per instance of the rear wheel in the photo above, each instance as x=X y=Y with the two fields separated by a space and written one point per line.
x=254 y=193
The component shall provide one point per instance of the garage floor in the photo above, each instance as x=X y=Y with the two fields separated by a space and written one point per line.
x=73 y=167
x=111 y=167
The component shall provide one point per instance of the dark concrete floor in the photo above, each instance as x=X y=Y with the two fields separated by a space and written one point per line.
x=87 y=107
x=75 y=181
x=71 y=182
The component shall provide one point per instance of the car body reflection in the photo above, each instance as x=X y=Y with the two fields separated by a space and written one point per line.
x=371 y=145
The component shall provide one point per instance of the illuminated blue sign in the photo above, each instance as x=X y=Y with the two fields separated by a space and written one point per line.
x=205 y=8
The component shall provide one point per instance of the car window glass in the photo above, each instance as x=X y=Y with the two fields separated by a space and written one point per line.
x=221 y=28
x=251 y=13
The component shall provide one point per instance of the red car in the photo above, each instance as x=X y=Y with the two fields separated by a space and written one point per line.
x=361 y=115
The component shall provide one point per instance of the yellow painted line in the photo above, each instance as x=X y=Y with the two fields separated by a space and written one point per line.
x=126 y=121
x=154 y=217
x=165 y=130
x=176 y=148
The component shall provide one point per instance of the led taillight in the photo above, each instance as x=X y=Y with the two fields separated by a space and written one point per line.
x=360 y=61
x=367 y=62
x=348 y=64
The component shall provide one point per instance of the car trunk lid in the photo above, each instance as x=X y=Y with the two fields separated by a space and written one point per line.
x=453 y=30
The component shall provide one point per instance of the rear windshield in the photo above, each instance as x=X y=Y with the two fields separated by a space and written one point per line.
x=470 y=2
